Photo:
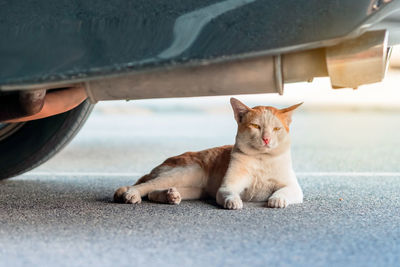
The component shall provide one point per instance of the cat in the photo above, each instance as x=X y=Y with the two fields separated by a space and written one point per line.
x=258 y=167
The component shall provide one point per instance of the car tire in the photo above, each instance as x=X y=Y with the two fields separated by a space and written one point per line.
x=30 y=144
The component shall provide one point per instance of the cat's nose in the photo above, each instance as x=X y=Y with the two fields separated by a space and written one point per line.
x=266 y=141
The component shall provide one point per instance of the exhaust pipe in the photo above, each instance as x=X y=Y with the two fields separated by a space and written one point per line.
x=256 y=75
x=350 y=64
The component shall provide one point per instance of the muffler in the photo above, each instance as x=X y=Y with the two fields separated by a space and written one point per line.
x=358 y=61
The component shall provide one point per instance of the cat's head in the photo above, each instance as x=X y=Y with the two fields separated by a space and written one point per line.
x=262 y=129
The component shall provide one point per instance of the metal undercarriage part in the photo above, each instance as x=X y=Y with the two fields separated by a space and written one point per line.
x=352 y=63
x=37 y=104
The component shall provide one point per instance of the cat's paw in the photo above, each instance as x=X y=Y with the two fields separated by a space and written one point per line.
x=173 y=196
x=233 y=203
x=132 y=196
x=277 y=202
x=118 y=195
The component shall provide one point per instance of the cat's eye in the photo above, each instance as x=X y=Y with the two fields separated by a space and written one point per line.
x=255 y=126
x=277 y=129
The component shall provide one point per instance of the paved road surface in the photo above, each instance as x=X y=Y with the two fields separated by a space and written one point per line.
x=61 y=214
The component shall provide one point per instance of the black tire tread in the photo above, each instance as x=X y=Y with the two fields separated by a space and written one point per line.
x=71 y=126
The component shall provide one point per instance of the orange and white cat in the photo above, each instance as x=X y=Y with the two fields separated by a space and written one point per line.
x=257 y=168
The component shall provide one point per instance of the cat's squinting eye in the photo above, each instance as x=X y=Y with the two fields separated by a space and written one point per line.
x=277 y=129
x=255 y=126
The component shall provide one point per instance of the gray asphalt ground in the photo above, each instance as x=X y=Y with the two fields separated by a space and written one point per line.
x=61 y=214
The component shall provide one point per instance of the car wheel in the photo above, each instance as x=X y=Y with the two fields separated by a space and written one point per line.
x=26 y=145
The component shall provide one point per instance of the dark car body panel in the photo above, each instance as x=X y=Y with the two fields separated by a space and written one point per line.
x=49 y=41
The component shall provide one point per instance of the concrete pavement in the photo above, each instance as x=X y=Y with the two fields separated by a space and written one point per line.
x=61 y=213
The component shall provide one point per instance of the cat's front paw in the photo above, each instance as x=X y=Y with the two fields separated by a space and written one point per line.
x=233 y=203
x=132 y=196
x=277 y=202
x=119 y=193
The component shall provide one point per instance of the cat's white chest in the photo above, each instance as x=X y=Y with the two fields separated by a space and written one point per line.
x=266 y=177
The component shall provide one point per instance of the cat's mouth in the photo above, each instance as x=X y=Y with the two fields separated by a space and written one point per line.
x=262 y=146
x=266 y=145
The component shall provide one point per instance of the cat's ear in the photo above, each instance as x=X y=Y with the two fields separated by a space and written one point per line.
x=239 y=109
x=287 y=112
